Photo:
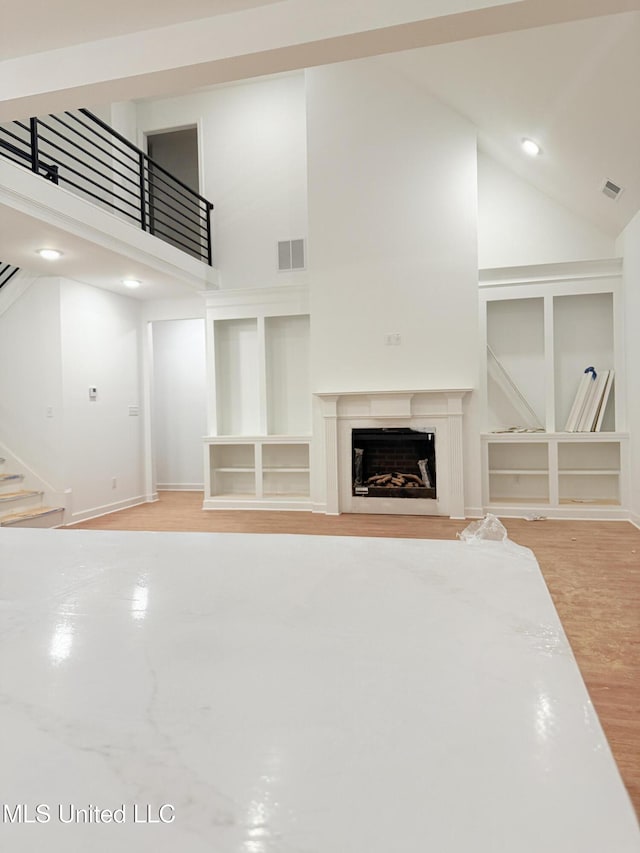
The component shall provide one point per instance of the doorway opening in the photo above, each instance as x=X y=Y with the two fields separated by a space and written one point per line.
x=178 y=408
x=174 y=216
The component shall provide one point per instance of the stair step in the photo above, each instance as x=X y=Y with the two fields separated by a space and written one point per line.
x=5 y=478
x=5 y=497
x=29 y=515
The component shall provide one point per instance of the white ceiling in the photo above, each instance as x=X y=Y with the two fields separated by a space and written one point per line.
x=573 y=87
x=47 y=26
x=165 y=272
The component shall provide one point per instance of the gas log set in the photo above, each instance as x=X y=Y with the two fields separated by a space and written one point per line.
x=383 y=460
x=410 y=481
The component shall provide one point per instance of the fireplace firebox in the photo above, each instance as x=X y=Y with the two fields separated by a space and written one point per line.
x=393 y=463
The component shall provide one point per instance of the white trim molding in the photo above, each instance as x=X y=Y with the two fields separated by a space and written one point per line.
x=545 y=273
x=432 y=410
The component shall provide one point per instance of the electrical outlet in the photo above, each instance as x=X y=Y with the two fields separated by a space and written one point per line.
x=49 y=411
x=114 y=483
x=392 y=339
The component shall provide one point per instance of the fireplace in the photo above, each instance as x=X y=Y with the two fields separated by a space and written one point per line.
x=416 y=414
x=393 y=462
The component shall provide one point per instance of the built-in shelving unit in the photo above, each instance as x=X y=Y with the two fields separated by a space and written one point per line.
x=251 y=470
x=544 y=325
x=589 y=472
x=518 y=471
x=259 y=415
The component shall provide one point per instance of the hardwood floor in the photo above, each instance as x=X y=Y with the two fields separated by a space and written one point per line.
x=592 y=570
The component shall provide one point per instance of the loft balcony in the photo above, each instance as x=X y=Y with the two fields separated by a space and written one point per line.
x=72 y=180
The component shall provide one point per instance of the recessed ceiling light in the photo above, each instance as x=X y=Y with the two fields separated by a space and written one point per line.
x=131 y=282
x=50 y=254
x=530 y=147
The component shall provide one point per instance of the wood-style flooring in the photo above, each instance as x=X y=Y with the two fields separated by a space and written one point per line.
x=592 y=570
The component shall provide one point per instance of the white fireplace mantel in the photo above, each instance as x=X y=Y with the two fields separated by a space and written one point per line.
x=434 y=410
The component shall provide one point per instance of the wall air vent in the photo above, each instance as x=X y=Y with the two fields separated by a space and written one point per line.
x=611 y=190
x=290 y=255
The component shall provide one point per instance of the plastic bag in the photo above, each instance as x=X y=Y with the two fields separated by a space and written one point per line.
x=489 y=528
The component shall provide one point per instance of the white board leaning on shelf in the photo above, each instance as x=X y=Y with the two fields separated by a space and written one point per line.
x=579 y=402
x=603 y=402
x=514 y=394
x=593 y=396
x=590 y=402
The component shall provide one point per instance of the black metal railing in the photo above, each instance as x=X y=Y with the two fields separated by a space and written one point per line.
x=81 y=152
x=7 y=272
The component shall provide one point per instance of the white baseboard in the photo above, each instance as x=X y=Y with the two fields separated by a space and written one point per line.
x=634 y=519
x=473 y=512
x=180 y=487
x=97 y=511
x=263 y=504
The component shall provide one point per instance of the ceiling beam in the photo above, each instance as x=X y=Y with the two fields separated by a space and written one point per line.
x=279 y=37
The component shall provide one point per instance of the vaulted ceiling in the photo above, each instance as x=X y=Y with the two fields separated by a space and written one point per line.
x=573 y=87
x=567 y=74
x=70 y=22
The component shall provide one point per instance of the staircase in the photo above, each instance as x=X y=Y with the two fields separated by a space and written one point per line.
x=21 y=507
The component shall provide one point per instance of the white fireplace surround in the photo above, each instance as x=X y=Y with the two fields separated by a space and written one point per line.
x=437 y=410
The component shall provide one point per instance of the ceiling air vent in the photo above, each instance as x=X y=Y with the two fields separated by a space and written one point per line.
x=611 y=190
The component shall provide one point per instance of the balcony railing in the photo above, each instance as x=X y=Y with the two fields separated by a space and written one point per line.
x=81 y=152
x=7 y=272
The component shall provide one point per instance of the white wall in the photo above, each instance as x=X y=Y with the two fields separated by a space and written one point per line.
x=519 y=225
x=56 y=340
x=393 y=245
x=392 y=219
x=179 y=411
x=253 y=169
x=123 y=118
x=184 y=308
x=31 y=381
x=630 y=245
x=100 y=346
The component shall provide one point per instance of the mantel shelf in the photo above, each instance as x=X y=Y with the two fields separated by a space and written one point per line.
x=396 y=392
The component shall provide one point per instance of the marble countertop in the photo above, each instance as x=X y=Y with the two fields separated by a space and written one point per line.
x=237 y=693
